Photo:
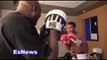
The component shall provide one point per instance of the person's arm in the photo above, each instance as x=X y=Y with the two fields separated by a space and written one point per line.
x=55 y=21
x=80 y=44
x=53 y=44
x=27 y=39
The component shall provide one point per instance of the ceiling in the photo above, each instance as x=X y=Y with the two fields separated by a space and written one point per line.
x=68 y=4
x=72 y=8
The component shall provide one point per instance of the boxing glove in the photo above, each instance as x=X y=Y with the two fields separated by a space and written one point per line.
x=71 y=36
x=55 y=19
x=64 y=39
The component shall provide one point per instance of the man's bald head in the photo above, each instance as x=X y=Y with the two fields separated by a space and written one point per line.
x=30 y=9
x=28 y=3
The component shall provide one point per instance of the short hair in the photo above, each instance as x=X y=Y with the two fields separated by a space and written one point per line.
x=72 y=23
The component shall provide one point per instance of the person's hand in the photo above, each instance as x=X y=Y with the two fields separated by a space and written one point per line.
x=64 y=39
x=71 y=36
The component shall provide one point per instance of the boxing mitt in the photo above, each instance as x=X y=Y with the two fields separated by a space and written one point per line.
x=71 y=36
x=64 y=39
x=55 y=19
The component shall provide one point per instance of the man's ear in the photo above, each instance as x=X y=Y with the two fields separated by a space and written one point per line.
x=34 y=8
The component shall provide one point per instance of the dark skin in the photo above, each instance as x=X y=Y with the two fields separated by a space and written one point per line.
x=53 y=44
x=83 y=48
x=32 y=10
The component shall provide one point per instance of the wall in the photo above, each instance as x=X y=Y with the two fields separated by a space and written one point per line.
x=101 y=13
x=0 y=12
x=5 y=12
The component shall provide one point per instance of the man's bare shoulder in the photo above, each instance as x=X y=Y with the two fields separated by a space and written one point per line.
x=79 y=35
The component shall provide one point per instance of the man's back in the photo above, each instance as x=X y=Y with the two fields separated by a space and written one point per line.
x=18 y=32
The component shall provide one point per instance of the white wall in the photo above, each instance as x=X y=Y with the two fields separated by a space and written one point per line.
x=0 y=12
x=5 y=12
x=40 y=21
x=62 y=48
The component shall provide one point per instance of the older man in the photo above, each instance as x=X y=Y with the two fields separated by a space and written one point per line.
x=17 y=31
